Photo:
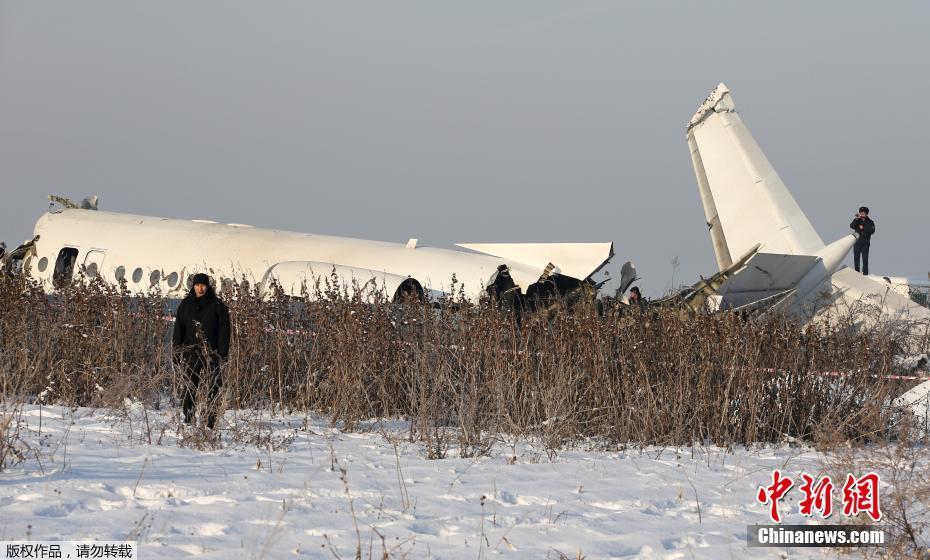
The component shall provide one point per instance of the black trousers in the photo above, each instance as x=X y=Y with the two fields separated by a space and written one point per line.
x=197 y=367
x=861 y=250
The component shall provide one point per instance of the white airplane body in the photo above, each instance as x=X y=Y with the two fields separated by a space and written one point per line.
x=915 y=288
x=160 y=253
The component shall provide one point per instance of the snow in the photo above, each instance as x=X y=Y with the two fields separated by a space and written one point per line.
x=276 y=488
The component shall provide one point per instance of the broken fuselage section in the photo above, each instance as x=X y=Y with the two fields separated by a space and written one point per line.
x=145 y=254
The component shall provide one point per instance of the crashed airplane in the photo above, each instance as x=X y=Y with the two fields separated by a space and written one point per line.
x=146 y=253
x=755 y=222
x=749 y=210
x=915 y=288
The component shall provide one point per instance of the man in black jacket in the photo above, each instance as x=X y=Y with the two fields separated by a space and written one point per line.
x=201 y=341
x=864 y=228
x=636 y=300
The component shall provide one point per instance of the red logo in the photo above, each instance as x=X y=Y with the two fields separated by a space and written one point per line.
x=816 y=496
x=860 y=495
x=774 y=493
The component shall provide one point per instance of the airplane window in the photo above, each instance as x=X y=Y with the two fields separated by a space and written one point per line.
x=173 y=279
x=91 y=270
x=64 y=267
x=43 y=264
x=154 y=277
x=920 y=296
x=120 y=273
x=137 y=275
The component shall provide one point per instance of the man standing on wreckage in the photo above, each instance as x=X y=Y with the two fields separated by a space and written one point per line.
x=864 y=228
x=201 y=343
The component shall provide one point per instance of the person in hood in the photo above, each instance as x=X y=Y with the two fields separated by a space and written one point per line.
x=864 y=228
x=201 y=343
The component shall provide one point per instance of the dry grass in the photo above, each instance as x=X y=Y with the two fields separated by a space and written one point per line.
x=463 y=374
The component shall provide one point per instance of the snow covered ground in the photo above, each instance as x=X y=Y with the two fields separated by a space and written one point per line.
x=280 y=492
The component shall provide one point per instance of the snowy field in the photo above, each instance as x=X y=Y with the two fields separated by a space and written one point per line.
x=295 y=487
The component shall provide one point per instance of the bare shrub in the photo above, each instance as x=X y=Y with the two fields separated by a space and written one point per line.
x=460 y=373
x=904 y=468
x=13 y=450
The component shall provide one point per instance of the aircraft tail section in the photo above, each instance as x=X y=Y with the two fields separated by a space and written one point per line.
x=765 y=275
x=745 y=201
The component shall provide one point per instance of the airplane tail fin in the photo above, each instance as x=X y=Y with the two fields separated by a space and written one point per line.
x=745 y=201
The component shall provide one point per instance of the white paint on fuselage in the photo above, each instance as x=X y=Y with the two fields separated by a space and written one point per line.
x=915 y=288
x=146 y=245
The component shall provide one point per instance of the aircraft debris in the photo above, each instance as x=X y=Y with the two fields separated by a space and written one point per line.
x=89 y=203
x=12 y=261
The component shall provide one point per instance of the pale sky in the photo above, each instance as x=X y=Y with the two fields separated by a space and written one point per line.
x=471 y=121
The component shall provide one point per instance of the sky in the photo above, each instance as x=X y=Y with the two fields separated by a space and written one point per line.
x=523 y=121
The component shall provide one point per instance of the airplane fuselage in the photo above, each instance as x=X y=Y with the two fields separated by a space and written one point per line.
x=152 y=253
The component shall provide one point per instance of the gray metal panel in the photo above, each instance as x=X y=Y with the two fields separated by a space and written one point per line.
x=770 y=273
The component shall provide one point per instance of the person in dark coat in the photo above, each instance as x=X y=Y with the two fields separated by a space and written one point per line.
x=201 y=342
x=636 y=301
x=864 y=228
x=504 y=289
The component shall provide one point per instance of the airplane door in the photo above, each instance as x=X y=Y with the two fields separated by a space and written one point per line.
x=93 y=263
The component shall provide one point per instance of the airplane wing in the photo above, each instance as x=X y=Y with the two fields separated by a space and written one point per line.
x=578 y=260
